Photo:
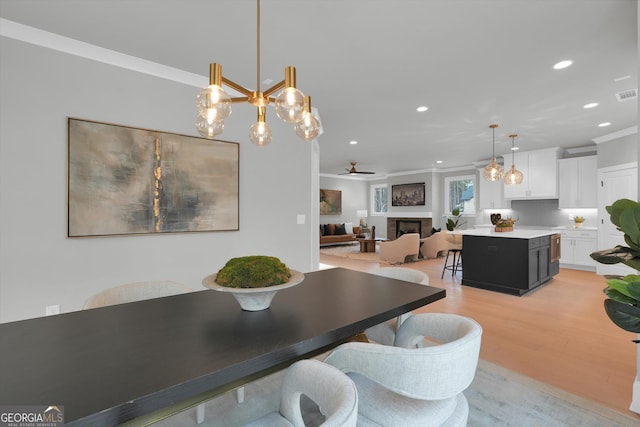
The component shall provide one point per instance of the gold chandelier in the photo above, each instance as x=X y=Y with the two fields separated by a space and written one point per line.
x=493 y=171
x=514 y=176
x=214 y=104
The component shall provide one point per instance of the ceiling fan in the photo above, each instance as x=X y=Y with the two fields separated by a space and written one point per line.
x=353 y=171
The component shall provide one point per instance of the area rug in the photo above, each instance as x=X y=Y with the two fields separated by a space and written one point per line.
x=352 y=251
x=497 y=397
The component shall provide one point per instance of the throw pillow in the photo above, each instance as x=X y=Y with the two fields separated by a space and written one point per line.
x=328 y=229
x=321 y=230
x=348 y=227
x=435 y=230
x=339 y=229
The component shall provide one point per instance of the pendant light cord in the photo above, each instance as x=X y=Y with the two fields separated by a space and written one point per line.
x=258 y=50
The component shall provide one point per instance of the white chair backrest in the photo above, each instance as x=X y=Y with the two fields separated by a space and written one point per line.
x=334 y=393
x=138 y=291
x=402 y=273
x=435 y=372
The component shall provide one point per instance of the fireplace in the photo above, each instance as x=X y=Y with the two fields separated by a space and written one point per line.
x=397 y=226
x=404 y=226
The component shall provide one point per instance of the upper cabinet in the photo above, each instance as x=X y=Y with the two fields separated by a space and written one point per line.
x=578 y=182
x=540 y=171
x=491 y=194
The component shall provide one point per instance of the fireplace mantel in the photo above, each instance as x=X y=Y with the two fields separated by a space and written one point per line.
x=425 y=226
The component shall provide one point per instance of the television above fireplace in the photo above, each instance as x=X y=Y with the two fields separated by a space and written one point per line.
x=407 y=194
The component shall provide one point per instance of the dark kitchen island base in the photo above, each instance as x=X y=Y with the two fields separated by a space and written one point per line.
x=510 y=265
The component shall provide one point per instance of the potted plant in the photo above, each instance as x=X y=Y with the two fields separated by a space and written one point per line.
x=623 y=293
x=505 y=224
x=453 y=223
x=578 y=220
x=253 y=280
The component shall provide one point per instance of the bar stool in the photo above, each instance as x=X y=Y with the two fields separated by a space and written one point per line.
x=456 y=264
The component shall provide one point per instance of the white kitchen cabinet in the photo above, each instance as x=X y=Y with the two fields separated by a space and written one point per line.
x=540 y=175
x=576 y=246
x=491 y=194
x=578 y=182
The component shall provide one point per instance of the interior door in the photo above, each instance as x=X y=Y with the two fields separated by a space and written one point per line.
x=614 y=184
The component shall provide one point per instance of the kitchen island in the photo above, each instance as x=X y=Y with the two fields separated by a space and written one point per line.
x=513 y=262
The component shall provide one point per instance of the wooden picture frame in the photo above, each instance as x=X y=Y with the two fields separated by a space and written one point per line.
x=330 y=202
x=123 y=180
x=408 y=194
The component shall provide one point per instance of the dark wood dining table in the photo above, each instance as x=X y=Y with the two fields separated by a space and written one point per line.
x=123 y=363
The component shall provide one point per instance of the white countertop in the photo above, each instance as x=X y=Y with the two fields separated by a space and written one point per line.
x=517 y=233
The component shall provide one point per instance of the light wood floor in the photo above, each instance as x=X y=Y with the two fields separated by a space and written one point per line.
x=558 y=334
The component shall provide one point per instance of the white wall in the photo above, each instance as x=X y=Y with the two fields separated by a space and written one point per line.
x=40 y=266
x=354 y=198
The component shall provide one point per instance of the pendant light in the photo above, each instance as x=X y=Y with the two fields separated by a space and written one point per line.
x=493 y=171
x=514 y=176
x=214 y=104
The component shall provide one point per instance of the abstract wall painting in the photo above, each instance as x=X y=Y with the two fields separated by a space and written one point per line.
x=330 y=202
x=124 y=180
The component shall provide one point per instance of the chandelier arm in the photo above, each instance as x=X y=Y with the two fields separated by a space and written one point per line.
x=240 y=99
x=273 y=89
x=236 y=86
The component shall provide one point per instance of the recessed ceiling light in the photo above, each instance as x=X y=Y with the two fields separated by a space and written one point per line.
x=422 y=108
x=515 y=148
x=438 y=161
x=562 y=64
x=591 y=105
x=353 y=142
x=605 y=124
x=619 y=79
x=267 y=81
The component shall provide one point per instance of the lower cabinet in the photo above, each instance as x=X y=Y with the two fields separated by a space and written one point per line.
x=539 y=261
x=508 y=265
x=577 y=245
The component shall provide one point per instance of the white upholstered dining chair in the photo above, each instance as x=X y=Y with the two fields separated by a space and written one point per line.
x=408 y=385
x=385 y=333
x=333 y=392
x=139 y=291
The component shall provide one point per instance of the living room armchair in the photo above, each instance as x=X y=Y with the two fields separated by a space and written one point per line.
x=439 y=242
x=398 y=251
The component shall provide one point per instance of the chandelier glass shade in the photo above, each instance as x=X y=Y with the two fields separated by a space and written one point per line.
x=493 y=171
x=214 y=104
x=514 y=176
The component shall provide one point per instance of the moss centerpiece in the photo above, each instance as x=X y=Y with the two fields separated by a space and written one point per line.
x=253 y=280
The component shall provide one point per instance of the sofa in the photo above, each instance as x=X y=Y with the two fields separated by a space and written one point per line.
x=331 y=234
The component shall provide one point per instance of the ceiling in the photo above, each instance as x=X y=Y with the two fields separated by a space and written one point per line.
x=369 y=64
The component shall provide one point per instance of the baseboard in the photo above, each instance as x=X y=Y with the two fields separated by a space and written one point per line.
x=635 y=397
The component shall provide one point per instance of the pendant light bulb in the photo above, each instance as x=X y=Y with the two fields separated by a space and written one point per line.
x=260 y=132
x=308 y=127
x=289 y=102
x=209 y=129
x=514 y=176
x=493 y=171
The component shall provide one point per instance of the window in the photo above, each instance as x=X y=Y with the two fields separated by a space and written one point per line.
x=379 y=199
x=459 y=192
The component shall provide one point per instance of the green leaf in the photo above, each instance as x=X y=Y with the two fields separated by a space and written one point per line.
x=616 y=209
x=634 y=263
x=620 y=286
x=634 y=291
x=617 y=296
x=623 y=315
x=632 y=245
x=613 y=255
x=630 y=224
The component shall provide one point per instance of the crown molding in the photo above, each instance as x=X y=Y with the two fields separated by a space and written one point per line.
x=35 y=36
x=616 y=135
